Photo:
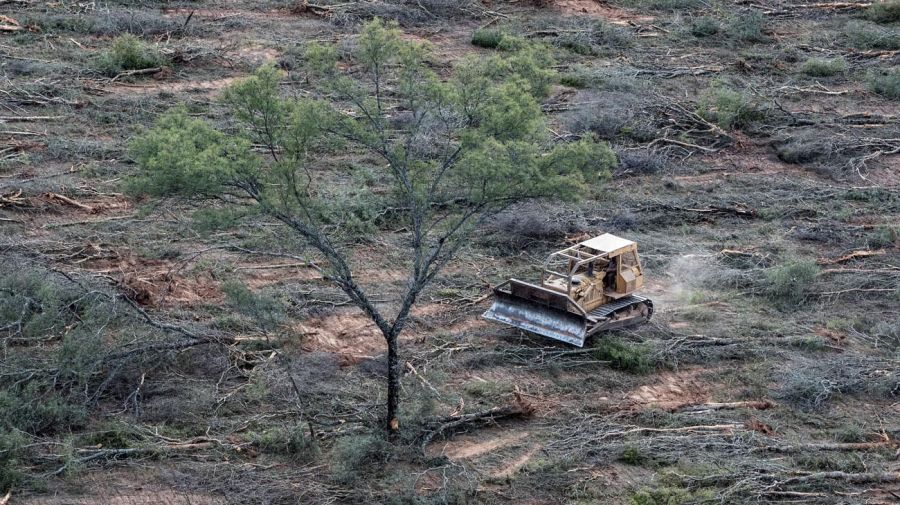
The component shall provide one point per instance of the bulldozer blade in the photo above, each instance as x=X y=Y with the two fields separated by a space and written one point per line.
x=537 y=318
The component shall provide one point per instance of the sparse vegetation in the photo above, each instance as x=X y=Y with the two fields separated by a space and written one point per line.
x=790 y=282
x=748 y=27
x=886 y=11
x=886 y=83
x=705 y=26
x=824 y=67
x=167 y=334
x=490 y=39
x=728 y=107
x=128 y=52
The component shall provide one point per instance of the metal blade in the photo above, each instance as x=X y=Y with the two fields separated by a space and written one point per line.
x=537 y=318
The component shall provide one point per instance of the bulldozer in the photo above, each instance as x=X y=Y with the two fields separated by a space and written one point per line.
x=585 y=289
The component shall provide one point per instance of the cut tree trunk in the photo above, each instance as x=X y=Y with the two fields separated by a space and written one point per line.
x=393 y=400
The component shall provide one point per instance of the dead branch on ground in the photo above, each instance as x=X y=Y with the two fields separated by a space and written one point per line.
x=521 y=408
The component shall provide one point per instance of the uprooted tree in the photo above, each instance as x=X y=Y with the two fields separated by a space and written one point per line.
x=452 y=151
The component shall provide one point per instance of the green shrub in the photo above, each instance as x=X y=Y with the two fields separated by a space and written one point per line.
x=28 y=410
x=294 y=441
x=883 y=237
x=850 y=433
x=887 y=11
x=128 y=52
x=886 y=83
x=634 y=358
x=824 y=67
x=865 y=35
x=791 y=282
x=748 y=27
x=490 y=39
x=11 y=443
x=633 y=455
x=728 y=108
x=661 y=496
x=705 y=26
x=356 y=456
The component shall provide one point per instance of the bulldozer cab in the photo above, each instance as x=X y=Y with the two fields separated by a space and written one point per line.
x=589 y=272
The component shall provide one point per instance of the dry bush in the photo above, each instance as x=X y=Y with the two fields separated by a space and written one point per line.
x=602 y=114
x=516 y=228
x=405 y=12
x=804 y=146
x=811 y=384
x=640 y=162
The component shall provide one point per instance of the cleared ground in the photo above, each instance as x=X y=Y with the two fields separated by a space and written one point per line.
x=758 y=172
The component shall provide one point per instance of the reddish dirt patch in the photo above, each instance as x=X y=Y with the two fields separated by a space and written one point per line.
x=348 y=333
x=271 y=274
x=672 y=390
x=599 y=9
x=210 y=87
x=469 y=446
x=151 y=282
x=517 y=464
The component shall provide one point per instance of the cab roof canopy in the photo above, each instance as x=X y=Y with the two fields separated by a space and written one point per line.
x=606 y=243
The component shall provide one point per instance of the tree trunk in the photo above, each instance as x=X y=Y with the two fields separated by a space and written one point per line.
x=393 y=400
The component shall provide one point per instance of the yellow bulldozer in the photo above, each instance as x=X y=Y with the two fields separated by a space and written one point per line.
x=586 y=288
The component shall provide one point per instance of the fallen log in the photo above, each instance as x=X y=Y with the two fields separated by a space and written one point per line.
x=837 y=446
x=864 y=253
x=69 y=201
x=703 y=407
x=853 y=478
x=520 y=408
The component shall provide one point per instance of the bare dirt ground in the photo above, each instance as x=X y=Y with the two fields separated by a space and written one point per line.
x=739 y=391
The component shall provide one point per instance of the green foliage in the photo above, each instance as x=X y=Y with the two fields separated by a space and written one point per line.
x=31 y=308
x=213 y=219
x=26 y=408
x=128 y=52
x=886 y=83
x=490 y=39
x=628 y=357
x=884 y=237
x=293 y=440
x=265 y=310
x=487 y=389
x=748 y=27
x=662 y=496
x=11 y=449
x=705 y=26
x=727 y=107
x=356 y=456
x=633 y=455
x=850 y=433
x=887 y=11
x=830 y=463
x=790 y=282
x=865 y=35
x=824 y=67
x=187 y=157
x=503 y=150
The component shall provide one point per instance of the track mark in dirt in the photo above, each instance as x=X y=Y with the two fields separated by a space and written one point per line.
x=671 y=391
x=599 y=9
x=517 y=463
x=468 y=447
x=209 y=87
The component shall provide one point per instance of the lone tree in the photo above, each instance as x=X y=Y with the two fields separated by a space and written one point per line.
x=452 y=151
